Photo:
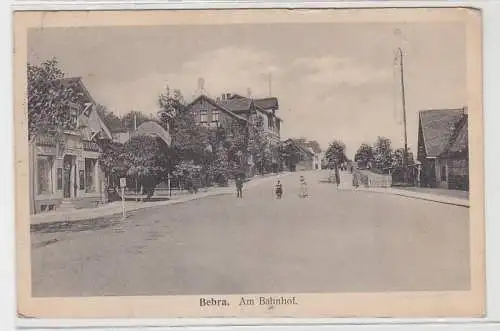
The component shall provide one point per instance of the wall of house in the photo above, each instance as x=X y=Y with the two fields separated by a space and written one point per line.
x=224 y=119
x=441 y=173
x=458 y=173
x=304 y=165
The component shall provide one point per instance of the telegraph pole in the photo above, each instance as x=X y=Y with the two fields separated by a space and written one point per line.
x=405 y=157
x=270 y=85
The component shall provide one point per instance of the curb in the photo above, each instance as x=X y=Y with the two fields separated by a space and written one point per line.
x=114 y=213
x=443 y=201
x=77 y=218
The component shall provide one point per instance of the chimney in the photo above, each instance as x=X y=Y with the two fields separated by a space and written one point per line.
x=228 y=96
x=223 y=97
x=201 y=83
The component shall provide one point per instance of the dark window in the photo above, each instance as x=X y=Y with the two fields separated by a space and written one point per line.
x=90 y=175
x=82 y=180
x=443 y=173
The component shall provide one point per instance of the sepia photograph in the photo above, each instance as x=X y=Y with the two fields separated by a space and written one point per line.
x=249 y=163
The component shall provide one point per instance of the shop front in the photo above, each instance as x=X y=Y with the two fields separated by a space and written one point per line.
x=65 y=173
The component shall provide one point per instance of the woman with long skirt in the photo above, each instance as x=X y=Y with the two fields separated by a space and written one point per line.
x=337 y=176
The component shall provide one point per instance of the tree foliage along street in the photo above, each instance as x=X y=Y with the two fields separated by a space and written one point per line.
x=335 y=154
x=364 y=155
x=50 y=100
x=258 y=145
x=398 y=158
x=113 y=122
x=382 y=153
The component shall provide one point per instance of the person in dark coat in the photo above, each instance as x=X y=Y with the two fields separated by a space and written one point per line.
x=337 y=176
x=239 y=187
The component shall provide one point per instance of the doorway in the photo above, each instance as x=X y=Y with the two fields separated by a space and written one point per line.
x=67 y=166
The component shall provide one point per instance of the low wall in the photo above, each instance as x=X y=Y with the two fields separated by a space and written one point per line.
x=370 y=179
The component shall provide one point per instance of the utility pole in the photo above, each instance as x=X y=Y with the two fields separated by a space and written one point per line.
x=270 y=85
x=137 y=175
x=405 y=156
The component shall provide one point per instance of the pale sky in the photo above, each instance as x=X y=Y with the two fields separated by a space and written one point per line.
x=333 y=80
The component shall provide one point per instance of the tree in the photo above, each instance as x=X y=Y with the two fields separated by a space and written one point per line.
x=314 y=145
x=171 y=103
x=49 y=99
x=113 y=122
x=335 y=154
x=112 y=162
x=190 y=152
x=398 y=158
x=382 y=153
x=258 y=145
x=364 y=154
x=143 y=157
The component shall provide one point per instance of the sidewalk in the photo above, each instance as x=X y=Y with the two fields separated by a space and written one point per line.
x=451 y=197
x=115 y=208
x=422 y=195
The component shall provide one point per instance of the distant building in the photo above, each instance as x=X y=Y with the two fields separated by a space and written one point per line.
x=264 y=107
x=318 y=160
x=64 y=168
x=298 y=157
x=443 y=148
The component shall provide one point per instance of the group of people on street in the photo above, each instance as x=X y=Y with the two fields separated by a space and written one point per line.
x=277 y=188
x=303 y=190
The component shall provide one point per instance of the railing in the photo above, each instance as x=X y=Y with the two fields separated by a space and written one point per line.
x=370 y=179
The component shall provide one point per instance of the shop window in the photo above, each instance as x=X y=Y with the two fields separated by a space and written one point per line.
x=90 y=175
x=44 y=174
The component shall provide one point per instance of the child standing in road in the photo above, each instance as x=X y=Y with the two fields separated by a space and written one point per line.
x=303 y=187
x=278 y=189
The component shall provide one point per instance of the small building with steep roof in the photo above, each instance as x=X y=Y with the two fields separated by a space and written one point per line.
x=443 y=148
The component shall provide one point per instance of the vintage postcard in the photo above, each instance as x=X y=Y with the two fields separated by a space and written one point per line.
x=249 y=163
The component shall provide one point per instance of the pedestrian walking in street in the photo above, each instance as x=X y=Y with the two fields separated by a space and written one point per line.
x=303 y=187
x=278 y=189
x=239 y=187
x=355 y=179
x=337 y=176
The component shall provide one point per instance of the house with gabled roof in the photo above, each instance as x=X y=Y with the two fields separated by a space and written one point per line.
x=264 y=107
x=230 y=109
x=212 y=113
x=443 y=148
x=298 y=157
x=64 y=166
